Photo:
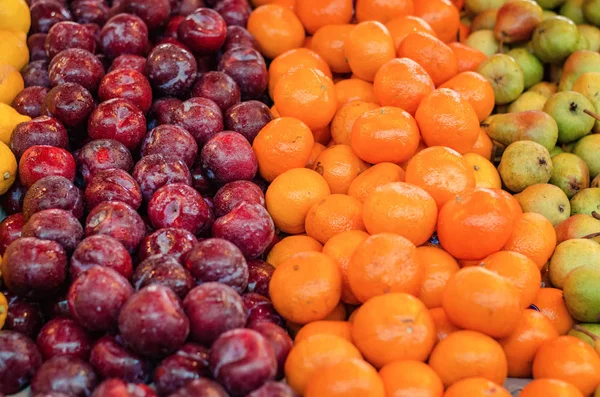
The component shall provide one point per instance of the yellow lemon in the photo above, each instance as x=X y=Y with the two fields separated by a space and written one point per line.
x=11 y=83
x=14 y=15
x=8 y=168
x=3 y=309
x=9 y=118
x=13 y=49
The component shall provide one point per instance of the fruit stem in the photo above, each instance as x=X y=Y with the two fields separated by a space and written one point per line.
x=593 y=235
x=592 y=114
x=584 y=331
x=596 y=215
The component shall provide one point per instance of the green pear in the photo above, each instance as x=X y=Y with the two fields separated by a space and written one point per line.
x=550 y=4
x=547 y=200
x=556 y=150
x=505 y=76
x=555 y=39
x=533 y=70
x=479 y=6
x=548 y=14
x=570 y=173
x=578 y=63
x=545 y=88
x=591 y=11
x=572 y=10
x=588 y=84
x=581 y=293
x=578 y=226
x=592 y=34
x=586 y=201
x=569 y=255
x=582 y=43
x=568 y=109
x=534 y=125
x=484 y=20
x=484 y=41
x=591 y=328
x=528 y=101
x=516 y=20
x=525 y=163
x=587 y=148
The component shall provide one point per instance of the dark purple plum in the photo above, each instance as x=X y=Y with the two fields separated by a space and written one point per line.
x=202 y=388
x=47 y=13
x=19 y=360
x=76 y=66
x=37 y=47
x=213 y=308
x=10 y=230
x=157 y=170
x=172 y=241
x=179 y=369
x=101 y=250
x=117 y=220
x=34 y=268
x=238 y=36
x=29 y=101
x=12 y=201
x=234 y=193
x=56 y=306
x=112 y=360
x=228 y=157
x=53 y=192
x=206 y=63
x=189 y=6
x=96 y=296
x=170 y=30
x=63 y=337
x=280 y=342
x=178 y=205
x=200 y=181
x=274 y=389
x=163 y=110
x=35 y=73
x=248 y=118
x=203 y=31
x=242 y=360
x=170 y=140
x=234 y=12
x=65 y=374
x=40 y=161
x=201 y=117
x=94 y=29
x=41 y=130
x=112 y=184
x=24 y=317
x=102 y=154
x=163 y=269
x=174 y=41
x=129 y=62
x=66 y=35
x=55 y=225
x=124 y=34
x=153 y=322
x=219 y=88
x=247 y=67
x=154 y=13
x=171 y=70
x=118 y=119
x=127 y=84
x=259 y=276
x=217 y=260
x=118 y=388
x=69 y=103
x=90 y=11
x=260 y=309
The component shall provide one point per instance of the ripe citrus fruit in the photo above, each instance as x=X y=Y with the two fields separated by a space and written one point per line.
x=550 y=388
x=14 y=15
x=339 y=165
x=402 y=26
x=368 y=46
x=11 y=83
x=534 y=237
x=411 y=378
x=378 y=175
x=441 y=15
x=486 y=174
x=343 y=329
x=8 y=168
x=551 y=304
x=315 y=14
x=328 y=42
x=474 y=88
x=439 y=267
x=476 y=387
x=345 y=117
x=348 y=90
x=443 y=325
x=291 y=245
x=276 y=28
x=346 y=378
x=292 y=60
x=333 y=214
x=382 y=11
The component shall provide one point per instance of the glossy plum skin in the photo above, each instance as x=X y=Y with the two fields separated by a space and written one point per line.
x=259 y=276
x=178 y=205
x=12 y=200
x=153 y=12
x=201 y=117
x=238 y=36
x=138 y=326
x=29 y=101
x=101 y=250
x=260 y=309
x=280 y=342
x=117 y=387
x=69 y=103
x=128 y=61
x=55 y=225
x=165 y=270
x=163 y=110
x=247 y=67
x=46 y=13
x=228 y=157
x=102 y=154
x=170 y=140
x=19 y=360
x=63 y=374
x=53 y=192
x=217 y=260
x=200 y=180
x=37 y=47
x=242 y=360
x=23 y=316
x=219 y=88
x=234 y=193
x=203 y=31
x=157 y=170
x=201 y=387
x=63 y=337
x=127 y=84
x=90 y=11
x=34 y=268
x=273 y=389
x=35 y=73
x=187 y=364
x=66 y=35
x=248 y=118
x=42 y=130
x=10 y=230
x=234 y=12
x=113 y=184
x=124 y=34
x=117 y=220
x=172 y=241
x=112 y=360
x=171 y=69
x=76 y=66
x=41 y=161
x=213 y=308
x=118 y=119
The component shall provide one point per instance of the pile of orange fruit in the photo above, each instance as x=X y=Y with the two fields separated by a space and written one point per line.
x=406 y=270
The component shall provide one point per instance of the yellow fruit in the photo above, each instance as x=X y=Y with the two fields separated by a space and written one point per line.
x=11 y=83
x=14 y=15
x=13 y=49
x=8 y=168
x=486 y=175
x=3 y=309
x=9 y=118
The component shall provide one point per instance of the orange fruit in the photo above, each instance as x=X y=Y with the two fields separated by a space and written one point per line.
x=468 y=354
x=349 y=90
x=476 y=387
x=291 y=245
x=328 y=42
x=551 y=304
x=382 y=10
x=459 y=4
x=332 y=215
x=275 y=112
x=294 y=292
x=385 y=134
x=281 y=145
x=441 y=15
x=439 y=267
x=337 y=314
x=468 y=58
x=401 y=26
x=511 y=201
x=411 y=378
x=315 y=14
x=534 y=237
x=14 y=16
x=483 y=146
x=443 y=325
x=401 y=208
x=314 y=353
x=307 y=94
x=292 y=60
x=445 y=119
x=345 y=117
x=481 y=300
x=276 y=29
x=317 y=149
x=348 y=378
x=340 y=249
x=420 y=148
x=402 y=83
x=323 y=135
x=476 y=224
x=476 y=89
x=384 y=263
x=291 y=195
x=550 y=388
x=343 y=329
x=430 y=52
x=376 y=176
x=486 y=174
x=339 y=165
x=569 y=359
x=520 y=347
x=393 y=327
x=441 y=172
x=368 y=46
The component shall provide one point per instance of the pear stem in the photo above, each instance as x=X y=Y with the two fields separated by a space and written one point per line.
x=584 y=331
x=592 y=114
x=596 y=215
x=591 y=236
x=501 y=46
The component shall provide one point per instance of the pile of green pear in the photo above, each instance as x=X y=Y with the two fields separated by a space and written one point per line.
x=544 y=66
